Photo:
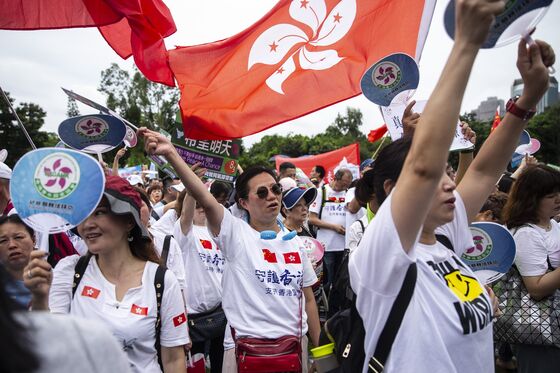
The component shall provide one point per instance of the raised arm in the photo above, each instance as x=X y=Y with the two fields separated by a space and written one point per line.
x=118 y=156
x=496 y=152
x=157 y=144
x=427 y=157
x=187 y=214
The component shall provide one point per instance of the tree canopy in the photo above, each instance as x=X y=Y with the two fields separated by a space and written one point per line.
x=13 y=139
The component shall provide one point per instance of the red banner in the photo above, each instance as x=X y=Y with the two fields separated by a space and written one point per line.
x=348 y=155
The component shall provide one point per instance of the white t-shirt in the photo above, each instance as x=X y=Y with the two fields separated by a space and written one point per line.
x=131 y=320
x=262 y=281
x=204 y=264
x=334 y=211
x=166 y=223
x=351 y=218
x=175 y=261
x=447 y=326
x=356 y=232
x=533 y=245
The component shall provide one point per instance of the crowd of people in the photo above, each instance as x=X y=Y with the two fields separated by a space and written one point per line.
x=164 y=269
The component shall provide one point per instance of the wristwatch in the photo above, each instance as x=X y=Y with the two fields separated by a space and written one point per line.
x=522 y=114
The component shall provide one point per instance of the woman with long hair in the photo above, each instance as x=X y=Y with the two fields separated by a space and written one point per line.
x=267 y=281
x=423 y=309
x=118 y=284
x=533 y=202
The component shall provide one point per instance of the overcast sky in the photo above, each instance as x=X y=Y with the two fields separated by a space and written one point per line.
x=35 y=64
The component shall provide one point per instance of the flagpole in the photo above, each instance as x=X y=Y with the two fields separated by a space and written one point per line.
x=19 y=121
x=380 y=145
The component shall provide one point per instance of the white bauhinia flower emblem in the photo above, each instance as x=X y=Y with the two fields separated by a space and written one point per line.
x=274 y=44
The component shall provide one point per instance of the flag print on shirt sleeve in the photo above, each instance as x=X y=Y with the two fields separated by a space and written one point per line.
x=137 y=310
x=180 y=319
x=292 y=258
x=90 y=292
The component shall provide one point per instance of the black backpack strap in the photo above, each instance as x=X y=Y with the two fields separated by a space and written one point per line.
x=79 y=271
x=165 y=250
x=155 y=215
x=445 y=241
x=323 y=200
x=159 y=284
x=394 y=321
x=362 y=225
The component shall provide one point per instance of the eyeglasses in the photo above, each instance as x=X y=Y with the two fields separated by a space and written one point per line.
x=262 y=192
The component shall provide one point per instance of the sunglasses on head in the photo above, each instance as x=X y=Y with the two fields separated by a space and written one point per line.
x=262 y=192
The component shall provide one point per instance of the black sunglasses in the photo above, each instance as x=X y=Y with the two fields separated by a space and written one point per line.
x=262 y=192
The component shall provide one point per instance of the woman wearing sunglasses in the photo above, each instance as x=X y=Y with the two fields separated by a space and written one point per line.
x=267 y=280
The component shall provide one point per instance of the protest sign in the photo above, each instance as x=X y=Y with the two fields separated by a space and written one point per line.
x=517 y=19
x=493 y=252
x=387 y=78
x=219 y=157
x=130 y=138
x=127 y=171
x=92 y=133
x=393 y=118
x=55 y=189
x=524 y=139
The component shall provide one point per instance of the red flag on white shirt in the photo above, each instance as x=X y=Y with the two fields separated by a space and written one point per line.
x=269 y=256
x=90 y=292
x=292 y=258
x=137 y=310
x=178 y=320
x=206 y=244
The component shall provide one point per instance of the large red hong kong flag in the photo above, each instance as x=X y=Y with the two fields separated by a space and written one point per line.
x=131 y=27
x=300 y=57
x=329 y=160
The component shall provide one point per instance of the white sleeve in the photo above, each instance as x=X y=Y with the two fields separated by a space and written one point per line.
x=175 y=263
x=174 y=331
x=60 y=293
x=379 y=263
x=166 y=223
x=228 y=241
x=458 y=230
x=316 y=205
x=185 y=240
x=354 y=235
x=531 y=253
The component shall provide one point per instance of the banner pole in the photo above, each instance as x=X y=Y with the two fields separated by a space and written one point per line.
x=379 y=147
x=18 y=120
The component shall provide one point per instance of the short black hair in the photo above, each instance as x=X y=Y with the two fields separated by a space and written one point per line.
x=285 y=165
x=242 y=182
x=219 y=188
x=320 y=170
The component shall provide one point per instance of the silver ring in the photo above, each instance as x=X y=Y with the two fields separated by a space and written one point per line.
x=29 y=274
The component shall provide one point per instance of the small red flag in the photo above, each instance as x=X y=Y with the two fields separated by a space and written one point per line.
x=292 y=258
x=377 y=133
x=206 y=244
x=269 y=256
x=137 y=310
x=496 y=121
x=90 y=292
x=178 y=320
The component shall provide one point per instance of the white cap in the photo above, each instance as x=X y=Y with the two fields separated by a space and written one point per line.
x=178 y=187
x=135 y=180
x=5 y=171
x=287 y=183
